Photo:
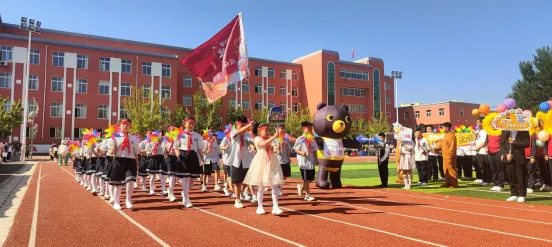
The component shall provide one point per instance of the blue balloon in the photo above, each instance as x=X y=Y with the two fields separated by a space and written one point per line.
x=544 y=107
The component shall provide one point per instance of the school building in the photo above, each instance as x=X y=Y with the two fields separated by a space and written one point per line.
x=80 y=81
x=455 y=112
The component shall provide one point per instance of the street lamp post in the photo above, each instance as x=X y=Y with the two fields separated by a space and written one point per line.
x=396 y=75
x=31 y=26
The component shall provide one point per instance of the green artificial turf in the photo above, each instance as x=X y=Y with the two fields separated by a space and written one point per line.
x=367 y=175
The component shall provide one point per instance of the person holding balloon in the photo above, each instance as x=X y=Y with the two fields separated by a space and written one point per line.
x=535 y=156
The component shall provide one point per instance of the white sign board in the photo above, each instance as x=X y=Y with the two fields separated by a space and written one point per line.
x=402 y=133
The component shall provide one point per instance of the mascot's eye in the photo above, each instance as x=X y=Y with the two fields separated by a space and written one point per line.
x=329 y=117
x=347 y=119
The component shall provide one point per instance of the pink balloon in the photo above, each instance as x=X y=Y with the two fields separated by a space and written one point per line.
x=501 y=108
x=549 y=102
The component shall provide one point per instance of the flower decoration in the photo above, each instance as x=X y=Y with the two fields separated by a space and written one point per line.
x=487 y=124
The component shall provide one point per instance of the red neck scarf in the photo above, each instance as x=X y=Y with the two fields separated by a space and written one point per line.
x=155 y=146
x=210 y=146
x=125 y=144
x=307 y=143
x=189 y=134
x=420 y=141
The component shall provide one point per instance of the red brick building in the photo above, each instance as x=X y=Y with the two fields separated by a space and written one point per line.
x=455 y=112
x=80 y=81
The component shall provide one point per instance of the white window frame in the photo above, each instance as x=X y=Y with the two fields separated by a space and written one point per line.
x=258 y=104
x=103 y=84
x=7 y=78
x=294 y=76
x=35 y=57
x=259 y=88
x=283 y=74
x=428 y=113
x=284 y=90
x=83 y=60
x=103 y=108
x=146 y=90
x=60 y=111
x=294 y=92
x=245 y=87
x=126 y=63
x=165 y=92
x=187 y=81
x=387 y=100
x=80 y=82
x=295 y=107
x=417 y=114
x=59 y=80
x=59 y=57
x=245 y=104
x=105 y=63
x=273 y=89
x=33 y=80
x=270 y=104
x=122 y=112
x=187 y=98
x=164 y=69
x=7 y=53
x=283 y=106
x=80 y=108
x=258 y=70
x=147 y=67
x=441 y=111
x=57 y=132
x=271 y=71
x=406 y=115
x=126 y=86
x=387 y=86
x=232 y=103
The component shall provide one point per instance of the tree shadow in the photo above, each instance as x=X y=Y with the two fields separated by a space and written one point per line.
x=11 y=185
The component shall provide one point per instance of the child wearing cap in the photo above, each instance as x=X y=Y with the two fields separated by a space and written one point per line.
x=305 y=147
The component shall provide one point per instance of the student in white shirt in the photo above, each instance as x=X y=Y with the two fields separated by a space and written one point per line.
x=225 y=150
x=143 y=160
x=240 y=156
x=211 y=159
x=170 y=164
x=406 y=162
x=305 y=147
x=482 y=153
x=154 y=150
x=189 y=150
x=421 y=155
x=125 y=163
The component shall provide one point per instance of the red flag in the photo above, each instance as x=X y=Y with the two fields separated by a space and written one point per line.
x=221 y=60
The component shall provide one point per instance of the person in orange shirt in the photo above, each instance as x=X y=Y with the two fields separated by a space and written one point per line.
x=448 y=148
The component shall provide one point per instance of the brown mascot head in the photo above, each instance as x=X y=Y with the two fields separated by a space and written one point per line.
x=332 y=121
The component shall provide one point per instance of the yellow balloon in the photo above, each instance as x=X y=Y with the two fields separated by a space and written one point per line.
x=475 y=112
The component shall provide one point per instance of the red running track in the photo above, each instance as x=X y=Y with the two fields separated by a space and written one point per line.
x=67 y=215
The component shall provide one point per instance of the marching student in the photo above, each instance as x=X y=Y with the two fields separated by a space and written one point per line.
x=513 y=144
x=189 y=150
x=154 y=152
x=282 y=149
x=305 y=147
x=170 y=163
x=77 y=165
x=495 y=162
x=225 y=150
x=211 y=160
x=407 y=162
x=421 y=157
x=240 y=156
x=481 y=142
x=88 y=167
x=104 y=150
x=124 y=168
x=265 y=169
x=383 y=160
x=143 y=162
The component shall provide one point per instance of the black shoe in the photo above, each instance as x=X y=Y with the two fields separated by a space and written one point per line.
x=382 y=186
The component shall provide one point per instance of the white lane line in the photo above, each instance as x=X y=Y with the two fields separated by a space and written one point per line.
x=451 y=200
x=364 y=227
x=439 y=221
x=250 y=227
x=48 y=174
x=32 y=237
x=141 y=227
x=503 y=192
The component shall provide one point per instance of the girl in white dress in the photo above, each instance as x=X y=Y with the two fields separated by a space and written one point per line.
x=265 y=170
x=407 y=162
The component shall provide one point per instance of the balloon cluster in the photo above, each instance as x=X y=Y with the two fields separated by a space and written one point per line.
x=509 y=104
x=463 y=129
x=545 y=106
x=482 y=111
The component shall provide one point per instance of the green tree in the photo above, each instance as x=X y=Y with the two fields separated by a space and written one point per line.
x=232 y=114
x=207 y=115
x=377 y=125
x=294 y=120
x=10 y=116
x=145 y=113
x=260 y=116
x=359 y=126
x=179 y=115
x=535 y=84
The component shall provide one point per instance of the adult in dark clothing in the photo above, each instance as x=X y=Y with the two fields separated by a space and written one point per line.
x=383 y=160
x=512 y=146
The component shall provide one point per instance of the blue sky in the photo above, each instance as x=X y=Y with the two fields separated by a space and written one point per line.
x=465 y=49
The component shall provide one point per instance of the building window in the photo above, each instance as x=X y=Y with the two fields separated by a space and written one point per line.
x=245 y=87
x=271 y=72
x=357 y=108
x=31 y=134
x=77 y=132
x=387 y=86
x=55 y=132
x=283 y=106
x=33 y=82
x=104 y=63
x=57 y=84
x=388 y=115
x=295 y=107
x=294 y=75
x=428 y=113
x=283 y=90
x=258 y=104
x=271 y=89
x=462 y=112
x=187 y=100
x=417 y=114
x=5 y=80
x=352 y=74
x=387 y=100
x=245 y=104
x=166 y=92
x=258 y=70
x=441 y=111
x=282 y=74
x=35 y=56
x=187 y=81
x=258 y=88
x=82 y=61
x=125 y=89
x=331 y=83
x=58 y=59
x=270 y=104
x=122 y=112
x=357 y=92
x=103 y=113
x=406 y=115
x=82 y=85
x=80 y=110
x=6 y=53
x=294 y=92
x=103 y=88
x=126 y=66
x=231 y=87
x=146 y=68
x=7 y=106
x=146 y=90
x=166 y=70
x=377 y=106
x=232 y=103
x=55 y=109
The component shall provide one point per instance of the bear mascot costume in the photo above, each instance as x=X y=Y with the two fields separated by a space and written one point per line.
x=331 y=124
x=63 y=152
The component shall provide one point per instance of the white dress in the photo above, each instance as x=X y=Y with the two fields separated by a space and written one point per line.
x=407 y=161
x=265 y=169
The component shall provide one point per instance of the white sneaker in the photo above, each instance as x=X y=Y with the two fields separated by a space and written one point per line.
x=546 y=188
x=280 y=192
x=172 y=198
x=225 y=184
x=128 y=204
x=226 y=192
x=276 y=210
x=260 y=211
x=188 y=204
x=152 y=192
x=309 y=198
x=530 y=191
x=254 y=199
x=484 y=184
x=246 y=197
x=233 y=195
x=499 y=189
x=217 y=187
x=419 y=183
x=477 y=181
x=117 y=207
x=512 y=199
x=543 y=187
x=423 y=184
x=238 y=204
x=521 y=199
x=144 y=189
x=219 y=182
x=164 y=193
x=494 y=188
x=204 y=188
x=94 y=192
x=111 y=200
x=299 y=190
x=266 y=189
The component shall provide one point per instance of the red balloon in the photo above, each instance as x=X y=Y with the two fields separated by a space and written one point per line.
x=549 y=102
x=501 y=108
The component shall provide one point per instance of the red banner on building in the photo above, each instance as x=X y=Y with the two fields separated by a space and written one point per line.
x=221 y=61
